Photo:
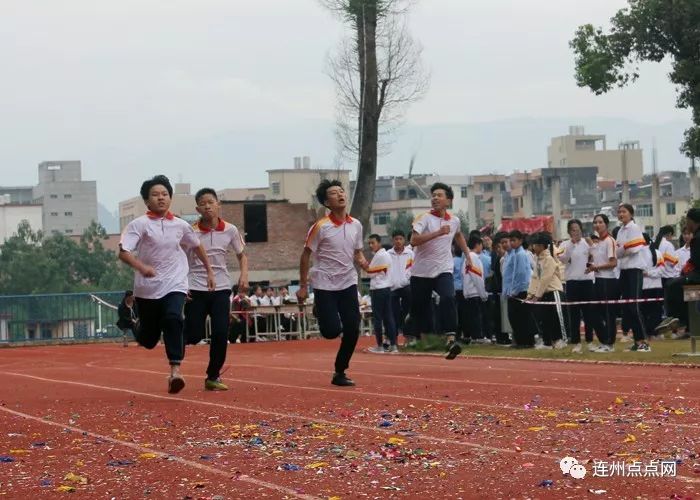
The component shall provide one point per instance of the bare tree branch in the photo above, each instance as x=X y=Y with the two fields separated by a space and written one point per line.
x=402 y=81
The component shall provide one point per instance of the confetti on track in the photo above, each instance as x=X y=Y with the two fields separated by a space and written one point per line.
x=96 y=421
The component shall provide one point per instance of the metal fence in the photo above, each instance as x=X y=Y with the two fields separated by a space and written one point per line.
x=59 y=317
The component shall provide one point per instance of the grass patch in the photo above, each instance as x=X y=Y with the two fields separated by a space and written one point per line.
x=661 y=351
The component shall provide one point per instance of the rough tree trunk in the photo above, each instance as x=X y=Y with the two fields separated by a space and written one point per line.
x=369 y=119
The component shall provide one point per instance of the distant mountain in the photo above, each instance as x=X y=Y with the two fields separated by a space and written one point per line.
x=239 y=158
x=107 y=219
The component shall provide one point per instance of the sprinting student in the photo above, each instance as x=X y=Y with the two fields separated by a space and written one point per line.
x=516 y=280
x=336 y=244
x=127 y=315
x=575 y=254
x=690 y=274
x=160 y=285
x=603 y=267
x=652 y=287
x=432 y=237
x=218 y=237
x=380 y=291
x=546 y=286
x=474 y=290
x=631 y=261
x=400 y=275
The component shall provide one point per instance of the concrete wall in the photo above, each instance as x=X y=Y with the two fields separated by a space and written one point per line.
x=70 y=204
x=276 y=260
x=12 y=215
x=562 y=152
x=299 y=185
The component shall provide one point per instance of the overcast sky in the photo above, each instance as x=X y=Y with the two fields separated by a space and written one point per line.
x=116 y=82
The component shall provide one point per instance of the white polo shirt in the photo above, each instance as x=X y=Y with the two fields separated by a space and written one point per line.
x=602 y=252
x=217 y=243
x=668 y=252
x=400 y=270
x=575 y=256
x=162 y=243
x=333 y=243
x=380 y=270
x=435 y=256
x=630 y=241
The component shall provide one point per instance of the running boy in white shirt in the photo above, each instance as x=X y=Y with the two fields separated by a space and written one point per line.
x=380 y=291
x=160 y=241
x=336 y=244
x=217 y=237
x=432 y=237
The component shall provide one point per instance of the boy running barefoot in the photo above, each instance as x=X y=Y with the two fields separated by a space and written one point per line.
x=217 y=237
x=336 y=244
x=155 y=245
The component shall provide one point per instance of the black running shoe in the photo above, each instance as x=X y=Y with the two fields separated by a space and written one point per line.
x=342 y=380
x=453 y=350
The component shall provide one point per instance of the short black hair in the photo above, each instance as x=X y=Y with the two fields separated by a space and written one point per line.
x=604 y=217
x=474 y=241
x=324 y=186
x=693 y=214
x=615 y=230
x=516 y=234
x=500 y=236
x=573 y=222
x=627 y=207
x=375 y=236
x=398 y=232
x=441 y=185
x=155 y=181
x=128 y=293
x=204 y=191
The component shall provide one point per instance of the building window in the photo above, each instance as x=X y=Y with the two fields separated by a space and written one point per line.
x=275 y=188
x=69 y=231
x=644 y=211
x=671 y=208
x=382 y=218
x=67 y=196
x=463 y=190
x=488 y=188
x=53 y=196
x=68 y=214
x=54 y=214
x=412 y=194
x=255 y=222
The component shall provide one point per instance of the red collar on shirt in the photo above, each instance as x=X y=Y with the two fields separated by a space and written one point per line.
x=219 y=227
x=437 y=214
x=337 y=222
x=168 y=215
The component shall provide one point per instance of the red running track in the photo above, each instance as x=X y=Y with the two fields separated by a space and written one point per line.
x=413 y=426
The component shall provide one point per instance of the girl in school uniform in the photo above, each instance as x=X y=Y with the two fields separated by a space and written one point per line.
x=632 y=265
x=603 y=265
x=652 y=287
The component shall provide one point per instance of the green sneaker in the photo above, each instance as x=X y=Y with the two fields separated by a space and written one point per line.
x=215 y=385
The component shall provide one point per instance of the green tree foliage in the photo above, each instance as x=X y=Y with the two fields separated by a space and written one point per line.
x=647 y=30
x=464 y=222
x=31 y=263
x=403 y=222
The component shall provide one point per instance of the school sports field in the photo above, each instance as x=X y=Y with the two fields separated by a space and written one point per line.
x=95 y=421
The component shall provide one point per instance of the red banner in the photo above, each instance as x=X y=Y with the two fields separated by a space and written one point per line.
x=544 y=223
